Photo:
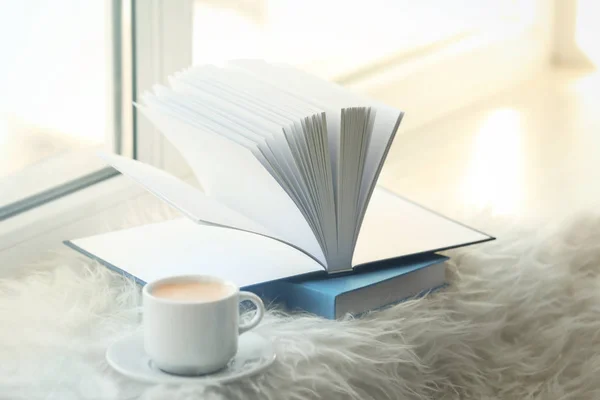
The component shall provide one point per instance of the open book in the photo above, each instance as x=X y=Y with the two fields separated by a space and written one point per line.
x=290 y=157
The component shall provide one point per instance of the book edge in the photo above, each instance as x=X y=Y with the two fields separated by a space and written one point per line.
x=437 y=214
x=114 y=268
x=103 y=262
x=377 y=173
x=391 y=259
x=419 y=295
x=439 y=259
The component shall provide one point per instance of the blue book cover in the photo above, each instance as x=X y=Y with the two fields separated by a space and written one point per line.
x=359 y=292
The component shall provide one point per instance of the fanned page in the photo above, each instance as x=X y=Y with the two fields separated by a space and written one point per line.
x=278 y=152
x=190 y=201
x=375 y=141
x=335 y=97
x=233 y=176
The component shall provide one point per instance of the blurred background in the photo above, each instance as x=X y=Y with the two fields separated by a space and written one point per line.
x=485 y=85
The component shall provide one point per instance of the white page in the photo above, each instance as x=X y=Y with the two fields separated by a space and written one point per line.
x=256 y=70
x=282 y=94
x=210 y=116
x=272 y=131
x=346 y=191
x=233 y=110
x=182 y=247
x=334 y=119
x=190 y=201
x=263 y=99
x=387 y=121
x=263 y=116
x=322 y=155
x=222 y=167
x=228 y=100
x=356 y=123
x=333 y=95
x=395 y=227
x=185 y=107
x=276 y=156
x=231 y=94
x=309 y=134
x=275 y=76
x=164 y=106
x=283 y=154
x=273 y=154
x=323 y=199
x=257 y=91
x=364 y=140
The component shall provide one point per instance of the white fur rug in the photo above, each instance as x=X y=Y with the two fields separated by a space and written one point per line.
x=520 y=320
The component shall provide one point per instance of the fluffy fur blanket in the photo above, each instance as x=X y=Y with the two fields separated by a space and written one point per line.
x=520 y=320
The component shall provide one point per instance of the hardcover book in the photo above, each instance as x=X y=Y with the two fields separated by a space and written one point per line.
x=357 y=293
x=288 y=165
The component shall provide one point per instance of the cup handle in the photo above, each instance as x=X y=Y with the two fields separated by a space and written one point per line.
x=260 y=310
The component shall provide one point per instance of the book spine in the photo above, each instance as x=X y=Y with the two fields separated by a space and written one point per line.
x=297 y=297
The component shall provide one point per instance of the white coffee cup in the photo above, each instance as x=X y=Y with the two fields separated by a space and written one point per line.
x=194 y=335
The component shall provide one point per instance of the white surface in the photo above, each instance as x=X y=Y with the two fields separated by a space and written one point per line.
x=127 y=356
x=395 y=227
x=182 y=247
x=194 y=338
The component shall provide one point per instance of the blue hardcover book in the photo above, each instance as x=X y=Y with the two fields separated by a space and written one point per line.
x=288 y=164
x=361 y=291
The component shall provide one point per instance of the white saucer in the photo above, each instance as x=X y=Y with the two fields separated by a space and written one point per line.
x=127 y=356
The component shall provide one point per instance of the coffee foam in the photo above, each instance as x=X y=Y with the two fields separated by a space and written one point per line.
x=192 y=291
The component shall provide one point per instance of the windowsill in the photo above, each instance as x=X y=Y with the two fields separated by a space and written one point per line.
x=60 y=218
x=93 y=210
x=21 y=189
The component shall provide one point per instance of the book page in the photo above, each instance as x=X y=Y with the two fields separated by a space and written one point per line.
x=300 y=163
x=330 y=95
x=181 y=111
x=190 y=201
x=290 y=123
x=181 y=247
x=223 y=169
x=266 y=114
x=385 y=126
x=274 y=155
x=356 y=126
x=213 y=114
x=395 y=227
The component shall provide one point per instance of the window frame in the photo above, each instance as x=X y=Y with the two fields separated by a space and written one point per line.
x=79 y=169
x=163 y=46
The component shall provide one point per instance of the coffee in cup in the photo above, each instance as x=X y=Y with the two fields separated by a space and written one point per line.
x=191 y=323
x=192 y=291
